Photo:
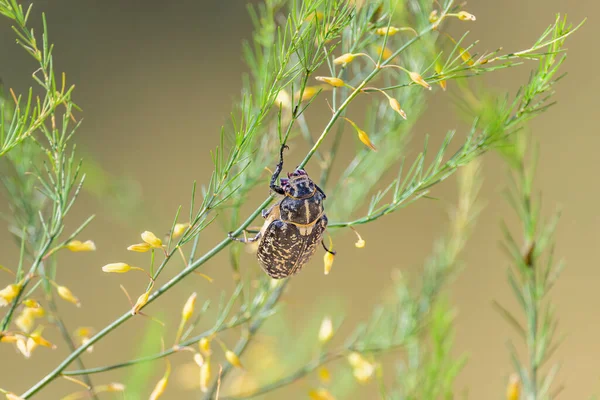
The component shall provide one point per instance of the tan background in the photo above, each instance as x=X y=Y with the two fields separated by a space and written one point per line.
x=156 y=80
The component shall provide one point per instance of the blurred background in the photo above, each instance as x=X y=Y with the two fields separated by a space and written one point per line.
x=156 y=81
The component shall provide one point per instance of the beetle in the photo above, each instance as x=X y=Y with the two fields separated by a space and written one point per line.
x=293 y=227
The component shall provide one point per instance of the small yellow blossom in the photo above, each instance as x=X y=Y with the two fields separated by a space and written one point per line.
x=361 y=368
x=118 y=268
x=141 y=301
x=180 y=229
x=385 y=52
x=188 y=308
x=205 y=376
x=309 y=92
x=344 y=59
x=204 y=345
x=233 y=359
x=9 y=293
x=362 y=135
x=434 y=16
x=418 y=79
x=151 y=239
x=513 y=390
x=84 y=334
x=198 y=359
x=328 y=262
x=282 y=100
x=115 y=387
x=161 y=385
x=8 y=337
x=335 y=82
x=395 y=105
x=360 y=243
x=326 y=330
x=76 y=245
x=324 y=375
x=31 y=303
x=465 y=16
x=26 y=320
x=139 y=247
x=66 y=294
x=320 y=394
x=389 y=31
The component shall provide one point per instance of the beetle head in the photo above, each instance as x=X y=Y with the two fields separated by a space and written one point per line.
x=298 y=184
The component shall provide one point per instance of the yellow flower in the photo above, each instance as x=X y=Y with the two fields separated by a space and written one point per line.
x=161 y=385
x=67 y=295
x=326 y=329
x=389 y=31
x=31 y=303
x=26 y=319
x=513 y=390
x=361 y=368
x=418 y=79
x=141 y=301
x=84 y=334
x=433 y=16
x=320 y=394
x=395 y=105
x=139 y=247
x=344 y=59
x=324 y=375
x=9 y=293
x=360 y=243
x=282 y=100
x=328 y=262
x=335 y=82
x=205 y=376
x=198 y=359
x=308 y=93
x=188 y=308
x=465 y=16
x=384 y=51
x=233 y=359
x=118 y=268
x=204 y=345
x=76 y=245
x=179 y=229
x=362 y=135
x=151 y=239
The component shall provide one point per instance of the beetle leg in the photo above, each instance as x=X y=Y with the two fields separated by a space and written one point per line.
x=274 y=187
x=245 y=239
x=326 y=249
x=265 y=213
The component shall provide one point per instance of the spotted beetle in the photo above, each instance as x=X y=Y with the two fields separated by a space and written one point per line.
x=294 y=226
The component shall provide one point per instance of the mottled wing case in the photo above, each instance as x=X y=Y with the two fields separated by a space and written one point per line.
x=285 y=247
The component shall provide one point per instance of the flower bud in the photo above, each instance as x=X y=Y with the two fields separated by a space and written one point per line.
x=31 y=303
x=324 y=375
x=76 y=245
x=328 y=262
x=513 y=390
x=9 y=293
x=389 y=31
x=66 y=294
x=344 y=59
x=360 y=243
x=180 y=229
x=204 y=345
x=139 y=247
x=151 y=239
x=326 y=330
x=205 y=376
x=320 y=394
x=395 y=105
x=233 y=359
x=465 y=16
x=141 y=302
x=418 y=79
x=188 y=308
x=335 y=82
x=117 y=268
